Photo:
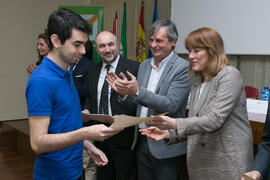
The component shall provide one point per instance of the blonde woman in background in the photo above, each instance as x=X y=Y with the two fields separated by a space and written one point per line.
x=42 y=50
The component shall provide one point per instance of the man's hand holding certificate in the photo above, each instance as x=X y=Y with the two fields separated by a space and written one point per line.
x=120 y=121
x=124 y=121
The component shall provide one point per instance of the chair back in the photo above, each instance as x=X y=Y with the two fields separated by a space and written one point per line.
x=251 y=92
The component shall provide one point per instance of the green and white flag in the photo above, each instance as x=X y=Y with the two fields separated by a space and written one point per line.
x=123 y=34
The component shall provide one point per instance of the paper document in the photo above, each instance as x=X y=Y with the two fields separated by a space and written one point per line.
x=124 y=121
x=97 y=117
x=257 y=106
x=245 y=176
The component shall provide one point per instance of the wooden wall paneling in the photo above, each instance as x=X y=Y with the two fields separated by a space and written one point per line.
x=266 y=72
x=253 y=70
x=233 y=60
x=133 y=12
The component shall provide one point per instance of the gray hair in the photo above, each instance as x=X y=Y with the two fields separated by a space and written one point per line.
x=172 y=33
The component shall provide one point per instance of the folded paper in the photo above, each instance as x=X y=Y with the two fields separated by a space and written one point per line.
x=124 y=121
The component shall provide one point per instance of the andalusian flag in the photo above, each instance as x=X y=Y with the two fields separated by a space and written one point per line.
x=123 y=33
x=155 y=17
x=140 y=45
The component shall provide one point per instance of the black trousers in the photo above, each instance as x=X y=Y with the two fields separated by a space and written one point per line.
x=122 y=162
x=151 y=168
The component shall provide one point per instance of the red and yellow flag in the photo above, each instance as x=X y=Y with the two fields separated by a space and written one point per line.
x=140 y=45
x=115 y=24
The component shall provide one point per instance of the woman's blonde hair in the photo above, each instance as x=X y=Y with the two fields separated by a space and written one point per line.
x=210 y=40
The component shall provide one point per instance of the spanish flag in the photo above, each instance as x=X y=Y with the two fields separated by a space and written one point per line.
x=140 y=45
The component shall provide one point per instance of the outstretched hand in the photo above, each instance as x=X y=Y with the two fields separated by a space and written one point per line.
x=100 y=132
x=155 y=133
x=163 y=122
x=253 y=174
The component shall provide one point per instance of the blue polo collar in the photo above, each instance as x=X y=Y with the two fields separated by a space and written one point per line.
x=54 y=67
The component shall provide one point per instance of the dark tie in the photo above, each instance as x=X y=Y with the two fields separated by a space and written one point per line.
x=103 y=104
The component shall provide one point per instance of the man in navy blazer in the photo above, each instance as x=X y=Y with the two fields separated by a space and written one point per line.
x=261 y=165
x=80 y=70
x=162 y=86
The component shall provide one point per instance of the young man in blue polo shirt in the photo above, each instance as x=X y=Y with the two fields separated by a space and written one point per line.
x=56 y=132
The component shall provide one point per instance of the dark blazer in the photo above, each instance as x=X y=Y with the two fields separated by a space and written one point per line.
x=80 y=76
x=124 y=65
x=262 y=160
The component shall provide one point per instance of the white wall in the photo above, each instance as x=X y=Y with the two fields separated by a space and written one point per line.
x=21 y=22
x=243 y=24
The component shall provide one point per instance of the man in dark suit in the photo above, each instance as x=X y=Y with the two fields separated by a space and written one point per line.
x=103 y=100
x=79 y=72
x=261 y=165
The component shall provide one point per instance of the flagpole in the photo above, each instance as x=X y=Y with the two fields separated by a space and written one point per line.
x=115 y=25
x=123 y=33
